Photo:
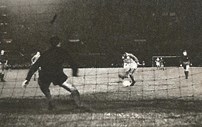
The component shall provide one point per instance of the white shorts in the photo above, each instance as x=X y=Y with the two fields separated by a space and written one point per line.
x=157 y=64
x=130 y=66
x=187 y=68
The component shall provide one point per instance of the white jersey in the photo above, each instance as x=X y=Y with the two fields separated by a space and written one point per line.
x=130 y=61
x=157 y=62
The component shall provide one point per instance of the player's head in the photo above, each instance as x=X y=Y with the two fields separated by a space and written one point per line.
x=124 y=56
x=37 y=53
x=2 y=52
x=55 y=41
x=184 y=53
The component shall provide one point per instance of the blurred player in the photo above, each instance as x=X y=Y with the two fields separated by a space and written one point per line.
x=33 y=60
x=162 y=62
x=157 y=61
x=185 y=63
x=3 y=63
x=130 y=62
x=143 y=63
x=51 y=63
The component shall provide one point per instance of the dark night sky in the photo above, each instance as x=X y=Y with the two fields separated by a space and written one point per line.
x=105 y=26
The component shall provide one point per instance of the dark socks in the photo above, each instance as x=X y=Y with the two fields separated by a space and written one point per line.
x=76 y=97
x=2 y=77
x=186 y=74
x=133 y=81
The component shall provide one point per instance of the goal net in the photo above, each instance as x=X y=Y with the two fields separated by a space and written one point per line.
x=100 y=30
x=111 y=102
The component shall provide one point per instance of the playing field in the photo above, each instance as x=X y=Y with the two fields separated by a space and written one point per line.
x=159 y=98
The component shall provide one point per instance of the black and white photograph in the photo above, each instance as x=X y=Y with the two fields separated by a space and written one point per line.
x=100 y=63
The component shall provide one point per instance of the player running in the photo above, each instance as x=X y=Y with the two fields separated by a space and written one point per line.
x=51 y=63
x=185 y=63
x=130 y=62
x=157 y=61
x=33 y=60
x=3 y=63
x=162 y=62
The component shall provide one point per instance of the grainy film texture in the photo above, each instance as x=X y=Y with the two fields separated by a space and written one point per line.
x=161 y=87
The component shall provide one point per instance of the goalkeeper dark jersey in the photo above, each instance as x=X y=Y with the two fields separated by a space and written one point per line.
x=51 y=64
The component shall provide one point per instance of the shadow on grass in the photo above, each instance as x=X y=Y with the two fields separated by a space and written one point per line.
x=99 y=103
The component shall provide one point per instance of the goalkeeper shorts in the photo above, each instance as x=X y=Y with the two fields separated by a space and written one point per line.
x=57 y=79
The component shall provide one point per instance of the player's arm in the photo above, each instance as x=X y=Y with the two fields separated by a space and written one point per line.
x=180 y=61
x=31 y=71
x=190 y=62
x=134 y=58
x=33 y=59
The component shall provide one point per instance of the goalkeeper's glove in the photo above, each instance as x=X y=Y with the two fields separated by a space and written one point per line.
x=25 y=83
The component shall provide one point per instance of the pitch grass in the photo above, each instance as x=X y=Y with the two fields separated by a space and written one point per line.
x=159 y=98
x=159 y=112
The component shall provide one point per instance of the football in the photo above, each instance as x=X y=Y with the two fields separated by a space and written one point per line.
x=126 y=83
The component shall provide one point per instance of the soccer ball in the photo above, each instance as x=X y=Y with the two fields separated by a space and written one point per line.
x=126 y=83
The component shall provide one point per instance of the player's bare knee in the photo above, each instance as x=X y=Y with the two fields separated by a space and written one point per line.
x=70 y=86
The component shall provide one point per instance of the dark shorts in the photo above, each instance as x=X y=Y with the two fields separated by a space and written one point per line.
x=56 y=79
x=184 y=66
x=2 y=66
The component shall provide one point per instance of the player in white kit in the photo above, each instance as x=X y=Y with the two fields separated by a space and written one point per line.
x=130 y=63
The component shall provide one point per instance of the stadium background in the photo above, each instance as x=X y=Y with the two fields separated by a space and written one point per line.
x=99 y=31
x=105 y=29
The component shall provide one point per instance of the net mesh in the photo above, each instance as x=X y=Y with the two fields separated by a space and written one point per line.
x=159 y=97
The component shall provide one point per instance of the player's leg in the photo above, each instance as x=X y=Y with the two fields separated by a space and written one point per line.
x=74 y=92
x=0 y=70
x=158 y=65
x=75 y=95
x=132 y=77
x=61 y=80
x=125 y=75
x=34 y=76
x=44 y=86
x=2 y=73
x=162 y=66
x=186 y=71
x=132 y=70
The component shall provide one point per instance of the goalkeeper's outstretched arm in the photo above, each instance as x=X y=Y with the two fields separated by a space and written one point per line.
x=33 y=69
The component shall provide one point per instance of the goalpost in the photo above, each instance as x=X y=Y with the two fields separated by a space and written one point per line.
x=158 y=98
x=168 y=60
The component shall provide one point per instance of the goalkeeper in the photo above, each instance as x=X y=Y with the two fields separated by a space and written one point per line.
x=51 y=64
